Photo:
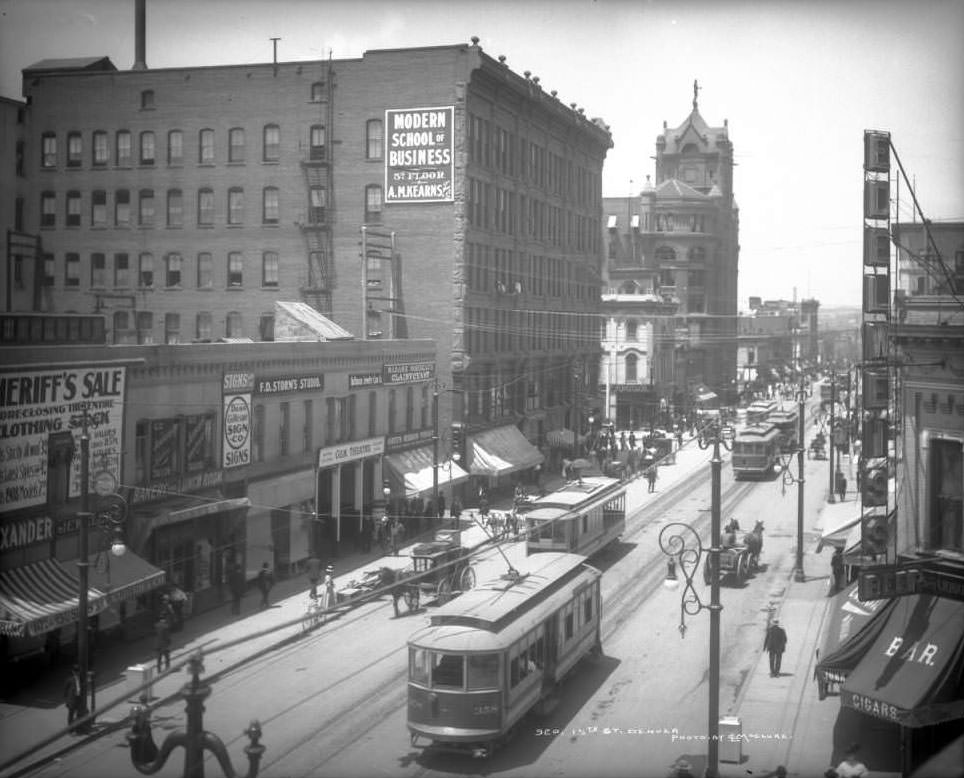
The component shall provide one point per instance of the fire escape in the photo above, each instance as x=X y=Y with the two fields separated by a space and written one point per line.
x=316 y=165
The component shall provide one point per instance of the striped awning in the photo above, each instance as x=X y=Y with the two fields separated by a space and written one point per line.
x=42 y=596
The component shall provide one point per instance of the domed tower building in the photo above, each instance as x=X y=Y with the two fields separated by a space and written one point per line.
x=671 y=273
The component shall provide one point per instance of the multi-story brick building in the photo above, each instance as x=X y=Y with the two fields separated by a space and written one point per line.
x=673 y=254
x=183 y=202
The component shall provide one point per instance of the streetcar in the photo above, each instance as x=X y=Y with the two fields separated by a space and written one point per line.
x=788 y=422
x=756 y=450
x=759 y=411
x=581 y=517
x=500 y=650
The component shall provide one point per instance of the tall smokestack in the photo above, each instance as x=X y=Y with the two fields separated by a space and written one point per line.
x=140 y=33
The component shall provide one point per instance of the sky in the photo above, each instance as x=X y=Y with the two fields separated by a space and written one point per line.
x=798 y=81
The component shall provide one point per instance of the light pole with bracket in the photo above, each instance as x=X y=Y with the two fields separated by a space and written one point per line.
x=803 y=393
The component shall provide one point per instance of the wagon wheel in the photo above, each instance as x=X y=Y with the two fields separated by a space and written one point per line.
x=740 y=569
x=467 y=579
x=444 y=591
x=411 y=597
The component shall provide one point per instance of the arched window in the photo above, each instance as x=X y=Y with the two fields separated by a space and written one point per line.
x=316 y=142
x=373 y=203
x=272 y=143
x=236 y=145
x=631 y=367
x=665 y=254
x=374 y=134
x=271 y=212
x=205 y=153
x=921 y=285
x=175 y=147
x=629 y=287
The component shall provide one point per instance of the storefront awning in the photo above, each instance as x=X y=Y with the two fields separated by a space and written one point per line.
x=207 y=508
x=123 y=577
x=912 y=673
x=412 y=470
x=838 y=518
x=42 y=596
x=501 y=451
x=851 y=627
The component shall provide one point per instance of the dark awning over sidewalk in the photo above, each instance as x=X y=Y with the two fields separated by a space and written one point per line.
x=123 y=577
x=912 y=673
x=42 y=596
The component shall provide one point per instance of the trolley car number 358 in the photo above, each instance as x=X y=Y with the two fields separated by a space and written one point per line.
x=484 y=710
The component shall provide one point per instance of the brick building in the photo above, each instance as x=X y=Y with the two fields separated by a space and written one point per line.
x=183 y=202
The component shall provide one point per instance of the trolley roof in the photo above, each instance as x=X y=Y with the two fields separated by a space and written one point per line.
x=499 y=611
x=757 y=431
x=574 y=493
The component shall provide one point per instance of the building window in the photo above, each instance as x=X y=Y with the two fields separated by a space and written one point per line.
x=374 y=134
x=18 y=210
x=48 y=209
x=266 y=326
x=205 y=208
x=205 y=271
x=373 y=203
x=372 y=413
x=122 y=270
x=98 y=208
x=392 y=410
x=145 y=327
x=665 y=254
x=101 y=149
x=632 y=362
x=75 y=149
x=257 y=434
x=317 y=197
x=172 y=328
x=145 y=271
x=172 y=276
x=123 y=148
x=175 y=208
x=235 y=269
x=145 y=210
x=98 y=270
x=48 y=150
x=122 y=208
x=236 y=145
x=272 y=143
x=945 y=518
x=232 y=325
x=175 y=147
x=316 y=142
x=307 y=431
x=317 y=91
x=73 y=209
x=205 y=154
x=269 y=269
x=50 y=269
x=631 y=330
x=147 y=99
x=72 y=270
x=270 y=205
x=285 y=429
x=203 y=326
x=235 y=205
x=147 y=148
x=409 y=409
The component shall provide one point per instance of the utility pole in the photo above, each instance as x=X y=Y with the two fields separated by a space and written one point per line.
x=435 y=445
x=833 y=403
x=798 y=574
x=83 y=646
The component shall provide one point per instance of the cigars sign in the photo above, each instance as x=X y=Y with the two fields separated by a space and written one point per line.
x=34 y=404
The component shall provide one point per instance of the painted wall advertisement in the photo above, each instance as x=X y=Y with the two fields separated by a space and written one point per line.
x=419 y=158
x=237 y=419
x=37 y=403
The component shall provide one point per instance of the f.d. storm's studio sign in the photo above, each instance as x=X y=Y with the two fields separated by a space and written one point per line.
x=286 y=384
x=419 y=158
x=36 y=403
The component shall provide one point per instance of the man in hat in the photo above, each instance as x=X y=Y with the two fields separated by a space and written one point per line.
x=328 y=598
x=265 y=581
x=775 y=644
x=72 y=694
x=313 y=568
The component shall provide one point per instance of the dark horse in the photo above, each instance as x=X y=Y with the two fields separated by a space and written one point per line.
x=753 y=541
x=394 y=582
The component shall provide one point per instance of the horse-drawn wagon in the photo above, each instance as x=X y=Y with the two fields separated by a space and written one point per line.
x=738 y=561
x=441 y=569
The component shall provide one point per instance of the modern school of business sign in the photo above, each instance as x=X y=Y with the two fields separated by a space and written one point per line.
x=419 y=158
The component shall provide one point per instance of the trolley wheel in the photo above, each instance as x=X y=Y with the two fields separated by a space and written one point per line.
x=411 y=598
x=444 y=591
x=467 y=579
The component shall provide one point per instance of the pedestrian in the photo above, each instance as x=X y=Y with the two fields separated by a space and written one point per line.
x=775 y=644
x=622 y=441
x=264 y=583
x=651 y=477
x=397 y=532
x=237 y=584
x=313 y=569
x=328 y=598
x=440 y=507
x=837 y=570
x=632 y=439
x=72 y=694
x=456 y=511
x=851 y=766
x=167 y=610
x=679 y=438
x=162 y=643
x=483 y=505
x=841 y=484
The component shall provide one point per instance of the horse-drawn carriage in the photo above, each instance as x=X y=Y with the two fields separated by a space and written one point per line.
x=738 y=561
x=818 y=448
x=440 y=570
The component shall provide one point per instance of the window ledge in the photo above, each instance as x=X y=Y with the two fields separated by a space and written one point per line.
x=236 y=163
x=234 y=289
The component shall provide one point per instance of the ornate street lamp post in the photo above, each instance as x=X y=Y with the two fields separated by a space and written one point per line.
x=681 y=543
x=802 y=394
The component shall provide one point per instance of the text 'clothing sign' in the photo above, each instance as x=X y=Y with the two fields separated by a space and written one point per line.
x=419 y=158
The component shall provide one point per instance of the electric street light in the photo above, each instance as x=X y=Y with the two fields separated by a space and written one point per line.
x=673 y=543
x=802 y=394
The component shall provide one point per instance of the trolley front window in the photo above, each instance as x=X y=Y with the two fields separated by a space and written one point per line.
x=448 y=671
x=482 y=671
x=418 y=665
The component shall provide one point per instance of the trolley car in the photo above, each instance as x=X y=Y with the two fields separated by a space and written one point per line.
x=756 y=450
x=759 y=411
x=501 y=649
x=787 y=421
x=581 y=517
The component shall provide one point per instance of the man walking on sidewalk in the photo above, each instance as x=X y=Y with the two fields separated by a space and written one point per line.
x=72 y=694
x=775 y=644
x=264 y=583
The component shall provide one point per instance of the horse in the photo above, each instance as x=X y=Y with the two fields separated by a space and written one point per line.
x=394 y=581
x=753 y=541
